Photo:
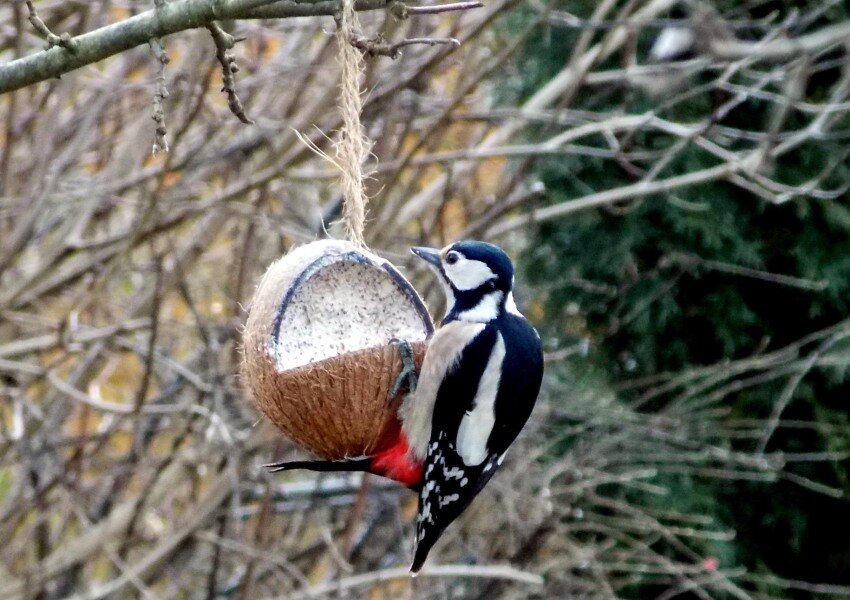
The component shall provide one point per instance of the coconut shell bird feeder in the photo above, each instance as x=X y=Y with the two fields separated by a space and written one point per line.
x=319 y=353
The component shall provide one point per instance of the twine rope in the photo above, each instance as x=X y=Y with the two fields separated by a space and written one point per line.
x=353 y=146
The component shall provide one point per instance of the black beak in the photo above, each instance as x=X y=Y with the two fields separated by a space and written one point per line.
x=431 y=255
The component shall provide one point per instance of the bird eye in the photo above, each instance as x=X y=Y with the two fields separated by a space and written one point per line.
x=452 y=257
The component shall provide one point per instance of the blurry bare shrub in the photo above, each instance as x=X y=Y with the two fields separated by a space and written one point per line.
x=130 y=459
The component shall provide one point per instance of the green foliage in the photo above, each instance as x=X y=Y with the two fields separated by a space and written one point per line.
x=678 y=281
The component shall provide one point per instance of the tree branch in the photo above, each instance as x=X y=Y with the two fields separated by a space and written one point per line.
x=780 y=49
x=626 y=192
x=224 y=42
x=440 y=8
x=63 y=40
x=448 y=571
x=173 y=17
x=159 y=96
x=377 y=47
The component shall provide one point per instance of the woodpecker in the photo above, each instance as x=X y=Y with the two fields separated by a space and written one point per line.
x=478 y=384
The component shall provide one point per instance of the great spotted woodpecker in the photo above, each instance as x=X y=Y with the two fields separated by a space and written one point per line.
x=476 y=389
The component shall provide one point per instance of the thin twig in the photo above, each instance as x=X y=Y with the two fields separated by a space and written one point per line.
x=377 y=47
x=449 y=571
x=224 y=42
x=160 y=94
x=732 y=269
x=791 y=387
x=441 y=8
x=65 y=40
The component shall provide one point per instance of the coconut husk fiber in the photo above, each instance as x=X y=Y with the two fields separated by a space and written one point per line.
x=317 y=354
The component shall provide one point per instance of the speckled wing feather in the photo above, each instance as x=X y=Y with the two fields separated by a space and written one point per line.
x=449 y=486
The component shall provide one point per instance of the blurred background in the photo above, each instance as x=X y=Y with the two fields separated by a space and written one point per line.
x=672 y=180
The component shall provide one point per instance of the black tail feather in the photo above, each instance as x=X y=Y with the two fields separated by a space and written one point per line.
x=354 y=464
x=423 y=547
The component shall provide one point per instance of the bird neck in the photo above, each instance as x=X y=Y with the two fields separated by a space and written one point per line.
x=475 y=307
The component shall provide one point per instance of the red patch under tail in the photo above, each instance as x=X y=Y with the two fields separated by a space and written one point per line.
x=396 y=463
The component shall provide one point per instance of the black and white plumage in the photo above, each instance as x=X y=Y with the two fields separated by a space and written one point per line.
x=477 y=386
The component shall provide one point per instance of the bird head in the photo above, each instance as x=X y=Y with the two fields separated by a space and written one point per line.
x=477 y=278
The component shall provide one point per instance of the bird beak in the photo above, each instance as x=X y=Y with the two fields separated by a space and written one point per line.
x=430 y=255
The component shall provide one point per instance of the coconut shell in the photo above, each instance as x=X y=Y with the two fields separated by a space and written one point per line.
x=317 y=354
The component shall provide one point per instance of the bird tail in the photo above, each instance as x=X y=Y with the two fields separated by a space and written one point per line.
x=423 y=547
x=393 y=463
x=350 y=465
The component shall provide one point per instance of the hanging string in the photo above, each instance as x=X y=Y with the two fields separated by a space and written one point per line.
x=353 y=146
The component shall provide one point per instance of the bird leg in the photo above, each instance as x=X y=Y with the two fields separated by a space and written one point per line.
x=408 y=369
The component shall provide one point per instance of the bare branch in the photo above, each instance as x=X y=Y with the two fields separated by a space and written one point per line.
x=172 y=17
x=780 y=49
x=64 y=40
x=627 y=192
x=159 y=96
x=224 y=42
x=448 y=571
x=441 y=8
x=377 y=47
x=791 y=387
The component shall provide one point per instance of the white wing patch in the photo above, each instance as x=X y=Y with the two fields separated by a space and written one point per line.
x=443 y=353
x=510 y=305
x=477 y=424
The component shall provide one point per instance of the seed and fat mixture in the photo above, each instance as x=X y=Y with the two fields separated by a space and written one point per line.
x=344 y=306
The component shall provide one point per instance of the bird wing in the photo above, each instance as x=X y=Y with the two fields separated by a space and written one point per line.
x=468 y=442
x=457 y=462
x=448 y=488
x=518 y=389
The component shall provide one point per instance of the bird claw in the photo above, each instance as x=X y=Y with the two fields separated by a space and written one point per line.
x=408 y=369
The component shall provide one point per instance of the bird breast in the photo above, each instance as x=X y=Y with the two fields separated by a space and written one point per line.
x=443 y=352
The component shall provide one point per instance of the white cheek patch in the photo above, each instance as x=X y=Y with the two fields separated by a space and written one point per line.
x=468 y=274
x=447 y=289
x=450 y=295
